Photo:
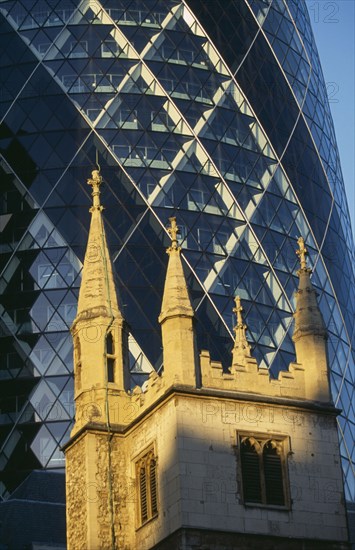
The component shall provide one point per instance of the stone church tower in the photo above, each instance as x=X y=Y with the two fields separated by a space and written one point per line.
x=202 y=458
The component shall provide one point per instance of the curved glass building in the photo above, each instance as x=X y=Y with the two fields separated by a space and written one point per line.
x=212 y=111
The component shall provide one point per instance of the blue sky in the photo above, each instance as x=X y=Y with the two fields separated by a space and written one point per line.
x=334 y=29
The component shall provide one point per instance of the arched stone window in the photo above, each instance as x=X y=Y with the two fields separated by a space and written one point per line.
x=263 y=470
x=146 y=474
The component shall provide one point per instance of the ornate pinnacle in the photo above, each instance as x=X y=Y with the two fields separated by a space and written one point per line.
x=302 y=253
x=173 y=231
x=241 y=349
x=95 y=181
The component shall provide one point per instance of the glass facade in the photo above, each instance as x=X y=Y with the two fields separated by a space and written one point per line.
x=212 y=111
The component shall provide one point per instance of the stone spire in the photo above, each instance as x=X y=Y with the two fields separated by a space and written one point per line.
x=308 y=318
x=176 y=299
x=97 y=294
x=310 y=334
x=176 y=319
x=100 y=336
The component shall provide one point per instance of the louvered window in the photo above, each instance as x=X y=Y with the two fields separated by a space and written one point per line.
x=263 y=470
x=143 y=493
x=250 y=460
x=274 y=483
x=146 y=469
x=153 y=486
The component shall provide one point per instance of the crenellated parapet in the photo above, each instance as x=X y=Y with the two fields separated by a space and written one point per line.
x=252 y=379
x=245 y=375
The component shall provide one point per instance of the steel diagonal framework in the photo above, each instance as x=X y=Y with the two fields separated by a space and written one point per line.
x=183 y=121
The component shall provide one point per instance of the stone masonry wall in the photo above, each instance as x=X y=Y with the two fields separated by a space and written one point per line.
x=210 y=487
x=76 y=497
x=195 y=438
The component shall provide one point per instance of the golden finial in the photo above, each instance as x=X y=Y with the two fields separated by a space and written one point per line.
x=173 y=231
x=302 y=253
x=95 y=181
x=238 y=311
